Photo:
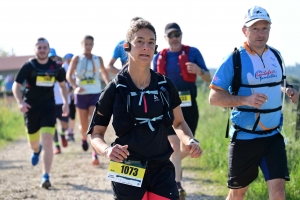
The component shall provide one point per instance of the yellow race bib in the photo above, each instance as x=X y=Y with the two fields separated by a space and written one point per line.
x=129 y=174
x=88 y=82
x=45 y=81
x=186 y=99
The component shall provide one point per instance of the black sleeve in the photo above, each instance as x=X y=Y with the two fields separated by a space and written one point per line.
x=174 y=95
x=23 y=73
x=61 y=75
x=104 y=106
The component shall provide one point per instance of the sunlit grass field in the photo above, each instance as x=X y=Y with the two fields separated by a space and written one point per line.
x=11 y=122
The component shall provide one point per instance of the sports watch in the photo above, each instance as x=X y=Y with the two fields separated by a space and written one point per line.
x=193 y=140
x=202 y=71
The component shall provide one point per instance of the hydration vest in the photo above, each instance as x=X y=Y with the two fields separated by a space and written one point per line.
x=125 y=122
x=51 y=72
x=182 y=58
x=237 y=83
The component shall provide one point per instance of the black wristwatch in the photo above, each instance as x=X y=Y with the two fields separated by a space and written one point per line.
x=202 y=71
x=193 y=140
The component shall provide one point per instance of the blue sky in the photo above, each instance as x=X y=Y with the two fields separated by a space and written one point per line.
x=214 y=26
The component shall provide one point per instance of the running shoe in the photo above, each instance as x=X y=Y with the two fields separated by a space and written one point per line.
x=64 y=142
x=85 y=145
x=181 y=191
x=57 y=150
x=45 y=181
x=35 y=157
x=70 y=137
x=182 y=194
x=95 y=160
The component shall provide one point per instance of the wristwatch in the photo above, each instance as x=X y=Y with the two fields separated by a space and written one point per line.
x=202 y=71
x=193 y=140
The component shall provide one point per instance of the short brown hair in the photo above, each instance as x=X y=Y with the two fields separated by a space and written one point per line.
x=88 y=37
x=139 y=24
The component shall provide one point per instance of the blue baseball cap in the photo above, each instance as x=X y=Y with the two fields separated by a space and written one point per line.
x=52 y=53
x=68 y=55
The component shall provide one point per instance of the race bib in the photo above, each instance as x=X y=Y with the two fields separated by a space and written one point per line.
x=186 y=99
x=129 y=174
x=45 y=81
x=88 y=82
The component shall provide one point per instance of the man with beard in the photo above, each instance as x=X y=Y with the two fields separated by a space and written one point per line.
x=38 y=104
x=181 y=64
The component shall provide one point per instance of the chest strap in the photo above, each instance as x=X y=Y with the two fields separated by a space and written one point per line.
x=255 y=110
x=263 y=132
x=142 y=93
x=148 y=120
x=262 y=85
x=258 y=118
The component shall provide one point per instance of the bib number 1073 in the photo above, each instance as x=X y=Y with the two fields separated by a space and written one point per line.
x=128 y=174
x=129 y=170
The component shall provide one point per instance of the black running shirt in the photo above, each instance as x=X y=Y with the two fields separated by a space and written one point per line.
x=38 y=79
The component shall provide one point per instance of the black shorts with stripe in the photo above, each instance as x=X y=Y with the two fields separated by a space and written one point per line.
x=246 y=156
x=41 y=116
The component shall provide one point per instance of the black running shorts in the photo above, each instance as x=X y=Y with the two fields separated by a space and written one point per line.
x=245 y=156
x=59 y=112
x=37 y=118
x=72 y=109
x=159 y=179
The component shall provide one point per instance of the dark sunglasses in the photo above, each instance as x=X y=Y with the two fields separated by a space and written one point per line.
x=174 y=34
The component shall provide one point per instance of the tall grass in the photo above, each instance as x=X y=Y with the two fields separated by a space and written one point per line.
x=213 y=164
x=11 y=123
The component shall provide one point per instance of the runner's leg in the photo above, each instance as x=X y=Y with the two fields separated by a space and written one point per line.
x=64 y=126
x=47 y=154
x=94 y=152
x=83 y=115
x=276 y=189
x=237 y=194
x=34 y=141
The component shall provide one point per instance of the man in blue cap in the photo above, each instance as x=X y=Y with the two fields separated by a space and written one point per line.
x=58 y=103
x=70 y=134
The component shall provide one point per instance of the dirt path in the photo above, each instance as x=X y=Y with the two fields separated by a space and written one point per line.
x=72 y=175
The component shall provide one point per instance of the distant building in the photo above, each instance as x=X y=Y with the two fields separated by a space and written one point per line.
x=12 y=64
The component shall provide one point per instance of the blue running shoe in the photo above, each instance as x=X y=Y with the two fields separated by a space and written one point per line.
x=45 y=181
x=35 y=157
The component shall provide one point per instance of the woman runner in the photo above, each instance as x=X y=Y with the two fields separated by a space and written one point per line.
x=87 y=86
x=142 y=103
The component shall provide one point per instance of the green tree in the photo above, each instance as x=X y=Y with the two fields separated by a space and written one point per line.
x=4 y=53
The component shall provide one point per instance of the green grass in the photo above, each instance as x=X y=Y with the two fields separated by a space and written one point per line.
x=213 y=163
x=11 y=123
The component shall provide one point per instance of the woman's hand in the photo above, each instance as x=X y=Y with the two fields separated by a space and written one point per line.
x=78 y=90
x=117 y=153
x=194 y=150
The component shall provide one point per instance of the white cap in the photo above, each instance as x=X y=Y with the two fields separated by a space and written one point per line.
x=255 y=14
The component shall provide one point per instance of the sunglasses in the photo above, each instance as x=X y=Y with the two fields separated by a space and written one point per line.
x=174 y=34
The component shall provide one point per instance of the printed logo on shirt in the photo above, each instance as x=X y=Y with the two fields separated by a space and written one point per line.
x=216 y=79
x=156 y=98
x=272 y=58
x=52 y=67
x=267 y=74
